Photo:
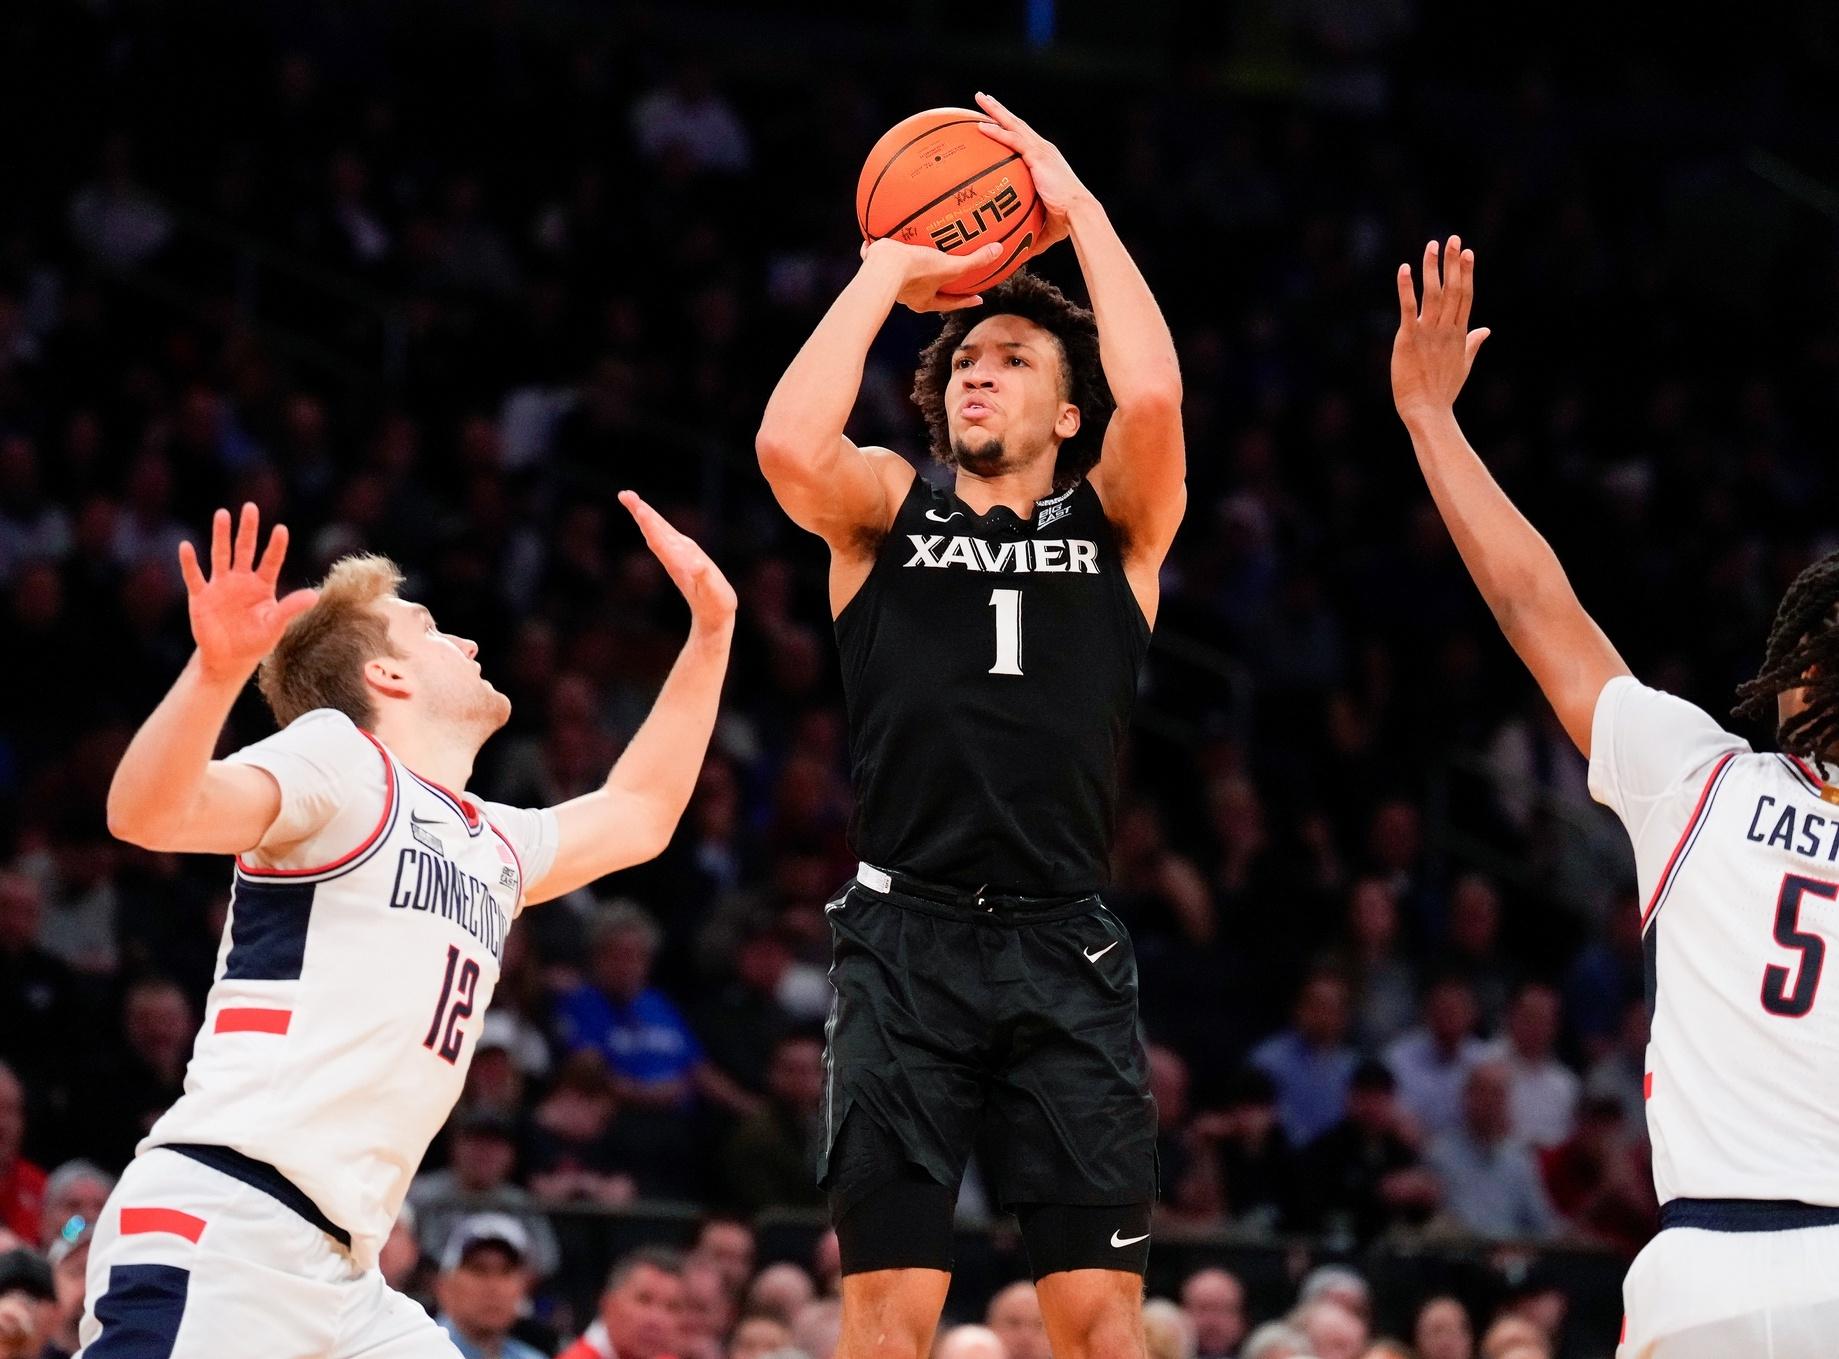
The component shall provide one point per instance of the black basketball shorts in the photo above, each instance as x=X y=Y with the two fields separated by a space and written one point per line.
x=1008 y=1027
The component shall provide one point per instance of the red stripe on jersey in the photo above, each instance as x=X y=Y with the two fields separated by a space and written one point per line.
x=1813 y=776
x=1685 y=836
x=1647 y=1085
x=389 y=798
x=1624 y=1338
x=135 y=1221
x=466 y=808
x=248 y=1019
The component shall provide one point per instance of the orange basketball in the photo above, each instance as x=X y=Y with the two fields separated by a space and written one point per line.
x=934 y=179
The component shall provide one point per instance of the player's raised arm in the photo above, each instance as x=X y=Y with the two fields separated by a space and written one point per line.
x=168 y=793
x=825 y=482
x=1142 y=476
x=632 y=817
x=1514 y=567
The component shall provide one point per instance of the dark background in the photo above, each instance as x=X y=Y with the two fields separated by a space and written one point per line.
x=406 y=275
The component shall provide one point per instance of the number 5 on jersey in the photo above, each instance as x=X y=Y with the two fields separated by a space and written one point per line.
x=445 y=1027
x=1008 y=606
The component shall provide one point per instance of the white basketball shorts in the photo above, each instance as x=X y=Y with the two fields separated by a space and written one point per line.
x=1742 y=1293
x=189 y=1263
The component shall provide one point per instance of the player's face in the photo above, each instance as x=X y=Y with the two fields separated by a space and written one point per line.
x=444 y=669
x=1005 y=405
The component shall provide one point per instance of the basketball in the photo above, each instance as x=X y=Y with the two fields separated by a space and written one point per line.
x=935 y=179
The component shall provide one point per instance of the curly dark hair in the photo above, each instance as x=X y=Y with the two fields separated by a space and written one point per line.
x=1082 y=377
x=1805 y=637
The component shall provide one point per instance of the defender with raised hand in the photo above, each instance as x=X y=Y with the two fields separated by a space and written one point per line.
x=1738 y=859
x=991 y=637
x=369 y=907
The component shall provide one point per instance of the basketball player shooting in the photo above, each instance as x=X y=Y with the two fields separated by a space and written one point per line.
x=1736 y=853
x=370 y=902
x=991 y=639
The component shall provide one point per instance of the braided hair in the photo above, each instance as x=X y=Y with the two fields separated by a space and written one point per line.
x=1805 y=637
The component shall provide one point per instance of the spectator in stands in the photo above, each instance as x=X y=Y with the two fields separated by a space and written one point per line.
x=484 y=1286
x=1214 y=1300
x=400 y=1256
x=1363 y=1176
x=1544 y=1090
x=641 y=1310
x=1621 y=1072
x=818 y=1328
x=969 y=1342
x=1605 y=977
x=1334 y=1330
x=126 y=1089
x=758 y=1336
x=1373 y=956
x=22 y=1184
x=743 y=1019
x=76 y=1189
x=1311 y=1061
x=1491 y=1186
x=1601 y=1180
x=1276 y=1340
x=1339 y=1283
x=827 y=1262
x=780 y=1291
x=768 y=1159
x=576 y=1150
x=1443 y=1330
x=1167 y=1332
x=1473 y=946
x=687 y=120
x=69 y=1261
x=1255 y=1158
x=727 y=1243
x=656 y=1062
x=708 y=1310
x=36 y=996
x=28 y=1300
x=1514 y=1337
x=1015 y=1315
x=484 y=1153
x=1433 y=1060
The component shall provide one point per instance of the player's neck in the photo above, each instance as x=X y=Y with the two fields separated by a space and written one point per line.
x=1018 y=489
x=436 y=754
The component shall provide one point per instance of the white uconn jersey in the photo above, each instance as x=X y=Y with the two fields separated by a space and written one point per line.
x=362 y=949
x=1738 y=860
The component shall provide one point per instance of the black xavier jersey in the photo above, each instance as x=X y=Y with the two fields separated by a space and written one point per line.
x=990 y=665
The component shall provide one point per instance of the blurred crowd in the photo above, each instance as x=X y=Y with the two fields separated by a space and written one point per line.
x=438 y=281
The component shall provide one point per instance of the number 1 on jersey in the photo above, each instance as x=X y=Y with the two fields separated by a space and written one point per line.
x=1008 y=606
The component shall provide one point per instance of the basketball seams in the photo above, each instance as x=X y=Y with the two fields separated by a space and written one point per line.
x=1009 y=263
x=922 y=211
x=868 y=204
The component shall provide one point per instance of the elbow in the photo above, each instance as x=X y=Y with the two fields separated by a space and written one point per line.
x=1157 y=399
x=776 y=451
x=128 y=826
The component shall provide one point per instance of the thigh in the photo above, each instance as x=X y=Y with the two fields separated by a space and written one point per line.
x=1070 y=1119
x=906 y=1039
x=189 y=1264
x=1092 y=1312
x=380 y=1323
x=891 y=1312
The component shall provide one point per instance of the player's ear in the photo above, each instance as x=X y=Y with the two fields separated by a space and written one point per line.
x=386 y=674
x=1067 y=424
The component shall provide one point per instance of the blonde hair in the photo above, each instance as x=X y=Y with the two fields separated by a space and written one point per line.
x=319 y=661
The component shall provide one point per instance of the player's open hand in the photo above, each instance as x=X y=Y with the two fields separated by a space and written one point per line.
x=236 y=619
x=1054 y=179
x=710 y=596
x=924 y=269
x=1435 y=348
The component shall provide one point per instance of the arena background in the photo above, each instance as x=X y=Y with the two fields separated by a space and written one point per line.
x=438 y=279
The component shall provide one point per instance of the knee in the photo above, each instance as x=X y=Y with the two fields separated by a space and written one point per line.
x=1110 y=1331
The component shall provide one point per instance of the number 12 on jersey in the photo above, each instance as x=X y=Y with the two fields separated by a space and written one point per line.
x=1008 y=606
x=445 y=1027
